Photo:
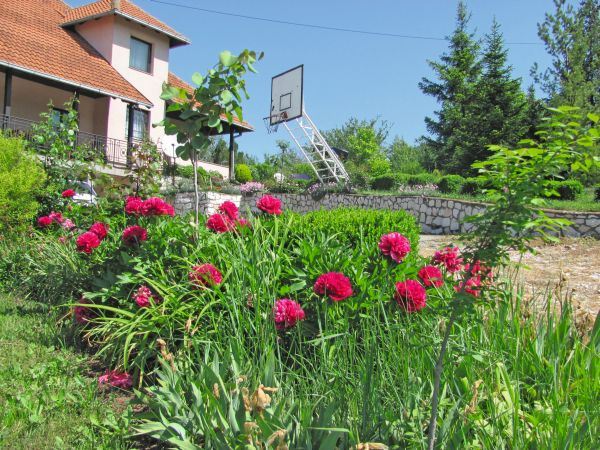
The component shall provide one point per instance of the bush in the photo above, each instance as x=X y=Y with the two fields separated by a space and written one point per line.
x=450 y=184
x=472 y=186
x=402 y=179
x=242 y=173
x=568 y=189
x=21 y=179
x=188 y=172
x=422 y=179
x=383 y=182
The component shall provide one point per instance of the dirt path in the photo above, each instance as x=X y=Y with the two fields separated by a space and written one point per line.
x=569 y=269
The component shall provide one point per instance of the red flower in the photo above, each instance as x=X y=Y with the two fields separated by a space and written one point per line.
x=100 y=229
x=431 y=276
x=133 y=206
x=68 y=193
x=269 y=204
x=116 y=379
x=243 y=223
x=410 y=295
x=155 y=206
x=134 y=235
x=68 y=224
x=335 y=285
x=44 y=221
x=480 y=270
x=205 y=275
x=143 y=296
x=219 y=223
x=395 y=246
x=87 y=242
x=449 y=258
x=286 y=313
x=229 y=209
x=82 y=313
x=472 y=286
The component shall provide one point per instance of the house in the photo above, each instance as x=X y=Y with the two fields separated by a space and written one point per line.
x=110 y=54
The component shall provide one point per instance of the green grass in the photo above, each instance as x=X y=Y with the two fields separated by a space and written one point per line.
x=47 y=398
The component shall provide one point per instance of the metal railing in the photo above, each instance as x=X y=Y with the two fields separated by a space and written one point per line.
x=114 y=152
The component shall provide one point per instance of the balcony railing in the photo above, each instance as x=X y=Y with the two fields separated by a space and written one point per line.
x=112 y=151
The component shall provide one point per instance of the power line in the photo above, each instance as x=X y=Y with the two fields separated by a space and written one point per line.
x=319 y=27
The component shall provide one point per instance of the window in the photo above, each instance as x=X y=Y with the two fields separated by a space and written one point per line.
x=141 y=122
x=140 y=55
x=56 y=115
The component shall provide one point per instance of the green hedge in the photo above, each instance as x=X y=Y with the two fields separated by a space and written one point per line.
x=422 y=179
x=450 y=184
x=354 y=225
x=188 y=172
x=384 y=182
x=472 y=186
x=568 y=189
x=21 y=180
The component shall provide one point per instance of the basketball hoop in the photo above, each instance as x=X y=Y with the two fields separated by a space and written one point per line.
x=272 y=122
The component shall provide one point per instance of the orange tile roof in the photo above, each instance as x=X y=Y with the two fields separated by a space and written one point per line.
x=33 y=41
x=179 y=83
x=126 y=9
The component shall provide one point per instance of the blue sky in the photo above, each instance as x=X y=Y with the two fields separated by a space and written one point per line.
x=345 y=74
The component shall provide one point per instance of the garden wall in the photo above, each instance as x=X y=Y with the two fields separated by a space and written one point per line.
x=435 y=215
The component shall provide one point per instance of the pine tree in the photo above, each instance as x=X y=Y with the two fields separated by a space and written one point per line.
x=498 y=112
x=572 y=38
x=457 y=73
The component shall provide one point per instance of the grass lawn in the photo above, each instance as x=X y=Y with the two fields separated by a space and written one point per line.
x=47 y=397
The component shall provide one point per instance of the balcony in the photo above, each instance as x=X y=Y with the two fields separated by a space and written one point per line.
x=114 y=152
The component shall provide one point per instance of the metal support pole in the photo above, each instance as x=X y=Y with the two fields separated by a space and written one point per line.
x=231 y=154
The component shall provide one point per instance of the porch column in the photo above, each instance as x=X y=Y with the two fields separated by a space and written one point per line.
x=231 y=155
x=130 y=115
x=7 y=92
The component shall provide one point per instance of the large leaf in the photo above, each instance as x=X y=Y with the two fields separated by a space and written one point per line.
x=227 y=59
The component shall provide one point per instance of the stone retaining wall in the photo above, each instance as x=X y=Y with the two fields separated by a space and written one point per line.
x=435 y=215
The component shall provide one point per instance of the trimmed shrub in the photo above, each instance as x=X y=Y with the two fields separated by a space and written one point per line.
x=188 y=172
x=242 y=173
x=383 y=182
x=21 y=179
x=450 y=184
x=422 y=179
x=568 y=189
x=472 y=186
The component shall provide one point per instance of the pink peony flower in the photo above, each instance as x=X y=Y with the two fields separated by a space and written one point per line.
x=68 y=224
x=44 y=221
x=230 y=210
x=243 y=223
x=395 y=246
x=410 y=295
x=143 y=296
x=219 y=223
x=286 y=313
x=116 y=379
x=205 y=275
x=269 y=204
x=431 y=276
x=69 y=193
x=87 y=241
x=134 y=235
x=100 y=229
x=335 y=285
x=450 y=258
x=56 y=217
x=82 y=313
x=155 y=206
x=133 y=206
x=480 y=270
x=472 y=286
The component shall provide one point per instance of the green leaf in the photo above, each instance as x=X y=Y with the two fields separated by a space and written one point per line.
x=169 y=92
x=197 y=79
x=227 y=59
x=226 y=96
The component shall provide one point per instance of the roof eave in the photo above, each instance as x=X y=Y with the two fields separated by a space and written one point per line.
x=87 y=87
x=176 y=40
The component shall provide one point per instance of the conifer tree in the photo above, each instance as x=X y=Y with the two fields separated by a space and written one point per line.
x=457 y=73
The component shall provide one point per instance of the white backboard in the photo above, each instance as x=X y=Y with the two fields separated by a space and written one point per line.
x=286 y=95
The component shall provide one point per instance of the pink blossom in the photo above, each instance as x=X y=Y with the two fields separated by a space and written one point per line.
x=205 y=275
x=431 y=276
x=335 y=285
x=394 y=245
x=410 y=295
x=116 y=378
x=286 y=313
x=143 y=296
x=450 y=258
x=229 y=209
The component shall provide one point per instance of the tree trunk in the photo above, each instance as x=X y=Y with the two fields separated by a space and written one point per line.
x=196 y=193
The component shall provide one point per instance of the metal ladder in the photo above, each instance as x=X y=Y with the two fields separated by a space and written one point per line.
x=316 y=150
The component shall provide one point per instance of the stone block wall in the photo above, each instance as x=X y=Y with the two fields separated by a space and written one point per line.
x=435 y=215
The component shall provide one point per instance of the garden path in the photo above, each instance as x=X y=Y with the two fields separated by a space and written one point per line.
x=568 y=269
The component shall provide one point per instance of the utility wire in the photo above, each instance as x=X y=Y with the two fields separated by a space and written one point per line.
x=319 y=27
